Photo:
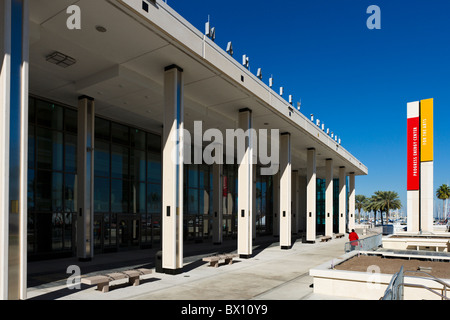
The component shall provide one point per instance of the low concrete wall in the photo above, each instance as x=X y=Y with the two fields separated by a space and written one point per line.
x=369 y=285
x=410 y=243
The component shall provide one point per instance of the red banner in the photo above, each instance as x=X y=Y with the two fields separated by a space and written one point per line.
x=413 y=161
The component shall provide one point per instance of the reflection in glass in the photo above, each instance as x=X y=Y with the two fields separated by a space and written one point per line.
x=119 y=195
x=101 y=159
x=138 y=163
x=70 y=153
x=70 y=191
x=49 y=191
x=49 y=149
x=101 y=194
x=138 y=196
x=119 y=162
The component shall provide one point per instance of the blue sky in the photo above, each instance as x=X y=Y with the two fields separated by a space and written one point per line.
x=357 y=81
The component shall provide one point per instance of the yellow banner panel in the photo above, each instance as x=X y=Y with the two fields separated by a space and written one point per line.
x=426 y=130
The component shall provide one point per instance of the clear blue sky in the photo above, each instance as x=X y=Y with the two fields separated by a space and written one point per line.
x=358 y=81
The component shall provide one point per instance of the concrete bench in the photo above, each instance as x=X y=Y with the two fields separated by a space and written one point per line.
x=325 y=238
x=435 y=245
x=103 y=282
x=339 y=235
x=214 y=260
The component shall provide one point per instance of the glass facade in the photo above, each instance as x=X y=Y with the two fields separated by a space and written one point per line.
x=52 y=141
x=127 y=187
x=320 y=206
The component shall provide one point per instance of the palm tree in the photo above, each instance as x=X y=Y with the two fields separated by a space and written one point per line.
x=370 y=205
x=443 y=193
x=387 y=200
x=359 y=204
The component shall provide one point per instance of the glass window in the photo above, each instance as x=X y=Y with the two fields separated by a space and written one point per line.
x=31 y=146
x=138 y=196
x=153 y=143
x=49 y=115
x=49 y=149
x=31 y=182
x=101 y=159
x=119 y=162
x=70 y=153
x=102 y=129
x=192 y=176
x=101 y=194
x=31 y=110
x=70 y=187
x=192 y=201
x=138 y=163
x=70 y=120
x=154 y=170
x=120 y=133
x=137 y=139
x=119 y=196
x=154 y=198
x=49 y=191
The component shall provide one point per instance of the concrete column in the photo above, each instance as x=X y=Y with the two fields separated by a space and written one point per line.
x=85 y=176
x=311 y=196
x=254 y=202
x=245 y=188
x=295 y=202
x=329 y=198
x=342 y=199
x=285 y=191
x=302 y=203
x=217 y=224
x=276 y=204
x=351 y=202
x=14 y=53
x=172 y=169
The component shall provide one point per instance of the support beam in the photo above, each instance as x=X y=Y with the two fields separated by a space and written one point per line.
x=302 y=204
x=285 y=191
x=295 y=202
x=342 y=199
x=85 y=170
x=311 y=185
x=172 y=168
x=245 y=188
x=217 y=222
x=14 y=54
x=276 y=204
x=329 y=198
x=351 y=202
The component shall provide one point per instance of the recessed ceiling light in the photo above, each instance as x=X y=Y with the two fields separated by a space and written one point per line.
x=101 y=29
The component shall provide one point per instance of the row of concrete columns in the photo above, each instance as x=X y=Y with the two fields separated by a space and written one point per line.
x=294 y=196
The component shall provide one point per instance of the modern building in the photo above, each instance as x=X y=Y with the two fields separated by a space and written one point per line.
x=91 y=161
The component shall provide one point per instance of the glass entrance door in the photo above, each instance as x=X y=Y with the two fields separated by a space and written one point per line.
x=128 y=231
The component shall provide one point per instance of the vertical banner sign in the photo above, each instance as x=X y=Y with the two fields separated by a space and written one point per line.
x=413 y=147
x=426 y=125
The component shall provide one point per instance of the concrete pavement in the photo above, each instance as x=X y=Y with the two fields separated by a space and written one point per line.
x=270 y=274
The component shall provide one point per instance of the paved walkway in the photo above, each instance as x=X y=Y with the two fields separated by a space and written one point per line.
x=270 y=274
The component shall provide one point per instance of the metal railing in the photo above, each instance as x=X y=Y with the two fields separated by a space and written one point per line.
x=395 y=289
x=366 y=244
